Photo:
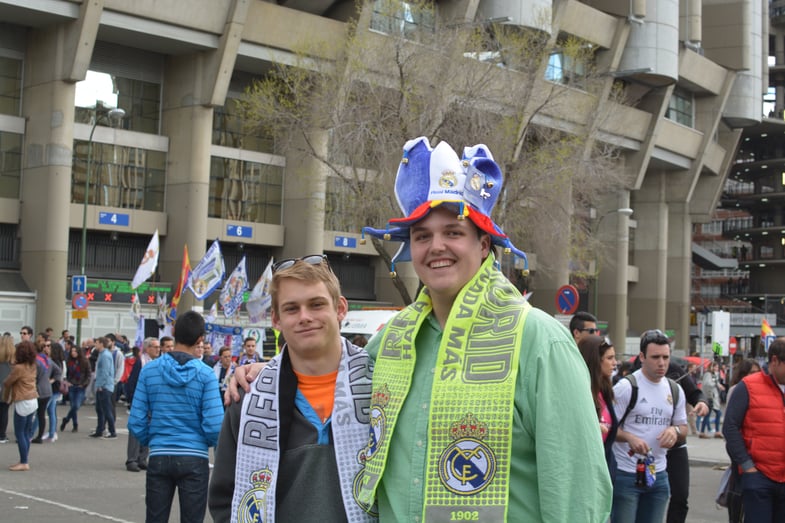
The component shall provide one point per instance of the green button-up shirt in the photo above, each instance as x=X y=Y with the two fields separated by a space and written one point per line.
x=558 y=471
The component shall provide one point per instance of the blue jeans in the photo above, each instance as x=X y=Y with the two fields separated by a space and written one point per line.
x=707 y=421
x=51 y=409
x=189 y=474
x=23 y=430
x=103 y=407
x=76 y=397
x=763 y=499
x=633 y=504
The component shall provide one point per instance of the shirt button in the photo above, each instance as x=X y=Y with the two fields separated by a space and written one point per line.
x=419 y=443
x=424 y=406
x=417 y=518
x=433 y=370
x=416 y=481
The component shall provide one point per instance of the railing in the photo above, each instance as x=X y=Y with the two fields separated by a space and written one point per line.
x=738 y=224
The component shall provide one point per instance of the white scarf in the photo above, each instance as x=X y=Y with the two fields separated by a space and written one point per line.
x=258 y=451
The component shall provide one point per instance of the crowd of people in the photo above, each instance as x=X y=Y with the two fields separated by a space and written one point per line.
x=101 y=371
x=470 y=405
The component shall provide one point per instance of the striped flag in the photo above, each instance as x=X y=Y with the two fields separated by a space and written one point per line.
x=765 y=329
x=185 y=274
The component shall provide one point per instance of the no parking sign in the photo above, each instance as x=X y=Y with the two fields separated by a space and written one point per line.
x=567 y=299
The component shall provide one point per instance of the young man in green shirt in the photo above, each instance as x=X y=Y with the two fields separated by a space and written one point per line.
x=481 y=407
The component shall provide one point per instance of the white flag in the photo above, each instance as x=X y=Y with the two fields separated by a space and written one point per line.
x=212 y=314
x=162 y=306
x=139 y=338
x=260 y=300
x=208 y=273
x=136 y=307
x=149 y=263
x=234 y=289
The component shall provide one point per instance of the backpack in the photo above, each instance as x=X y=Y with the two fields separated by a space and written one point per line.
x=634 y=396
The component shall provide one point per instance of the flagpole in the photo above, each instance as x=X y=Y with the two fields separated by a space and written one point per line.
x=702 y=334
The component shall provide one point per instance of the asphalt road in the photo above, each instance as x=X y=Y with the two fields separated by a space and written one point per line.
x=81 y=480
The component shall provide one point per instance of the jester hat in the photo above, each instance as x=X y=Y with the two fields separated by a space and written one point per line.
x=432 y=176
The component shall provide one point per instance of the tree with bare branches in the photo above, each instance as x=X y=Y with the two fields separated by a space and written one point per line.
x=532 y=98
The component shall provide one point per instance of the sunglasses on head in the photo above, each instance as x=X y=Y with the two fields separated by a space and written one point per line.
x=312 y=259
x=606 y=343
x=655 y=336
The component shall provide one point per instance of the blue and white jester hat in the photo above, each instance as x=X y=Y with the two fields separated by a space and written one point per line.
x=429 y=177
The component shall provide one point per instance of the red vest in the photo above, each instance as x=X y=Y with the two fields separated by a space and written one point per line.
x=764 y=426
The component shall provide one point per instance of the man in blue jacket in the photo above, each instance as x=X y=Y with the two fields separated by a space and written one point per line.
x=177 y=412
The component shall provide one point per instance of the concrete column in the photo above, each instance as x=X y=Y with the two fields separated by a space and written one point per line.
x=48 y=106
x=679 y=280
x=779 y=57
x=614 y=235
x=189 y=128
x=305 y=187
x=650 y=254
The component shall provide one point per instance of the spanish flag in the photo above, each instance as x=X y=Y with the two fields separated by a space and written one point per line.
x=185 y=273
x=765 y=329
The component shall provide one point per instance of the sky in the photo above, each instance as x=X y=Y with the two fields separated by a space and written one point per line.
x=96 y=86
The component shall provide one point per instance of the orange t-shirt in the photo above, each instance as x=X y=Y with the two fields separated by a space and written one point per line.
x=319 y=391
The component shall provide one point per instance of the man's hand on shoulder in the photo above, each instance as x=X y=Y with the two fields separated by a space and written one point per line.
x=243 y=375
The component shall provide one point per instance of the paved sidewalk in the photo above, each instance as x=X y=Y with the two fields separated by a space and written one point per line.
x=707 y=452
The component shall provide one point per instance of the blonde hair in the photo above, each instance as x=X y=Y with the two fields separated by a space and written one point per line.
x=309 y=273
x=6 y=349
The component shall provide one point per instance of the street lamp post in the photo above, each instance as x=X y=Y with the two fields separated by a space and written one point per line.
x=624 y=211
x=113 y=114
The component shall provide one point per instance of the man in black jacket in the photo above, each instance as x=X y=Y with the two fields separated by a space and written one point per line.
x=136 y=454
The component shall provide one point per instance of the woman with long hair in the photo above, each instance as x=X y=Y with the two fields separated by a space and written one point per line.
x=57 y=356
x=6 y=359
x=711 y=389
x=600 y=358
x=20 y=388
x=78 y=377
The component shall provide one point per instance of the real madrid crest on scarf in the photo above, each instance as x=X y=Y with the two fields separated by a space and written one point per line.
x=467 y=465
x=472 y=399
x=253 y=505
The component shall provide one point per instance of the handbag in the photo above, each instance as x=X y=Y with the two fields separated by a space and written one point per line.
x=725 y=487
x=64 y=386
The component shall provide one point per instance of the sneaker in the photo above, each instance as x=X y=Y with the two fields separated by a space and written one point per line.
x=95 y=434
x=50 y=439
x=19 y=467
x=132 y=467
x=3 y=440
x=703 y=435
x=718 y=435
x=142 y=466
x=63 y=424
x=110 y=436
x=36 y=440
x=75 y=429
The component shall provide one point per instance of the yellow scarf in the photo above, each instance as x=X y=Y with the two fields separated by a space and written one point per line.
x=472 y=398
